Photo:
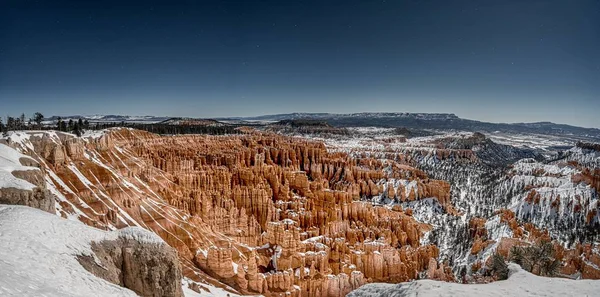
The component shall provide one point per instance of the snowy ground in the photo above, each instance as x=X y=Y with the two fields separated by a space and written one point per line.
x=214 y=291
x=519 y=283
x=9 y=162
x=532 y=140
x=38 y=256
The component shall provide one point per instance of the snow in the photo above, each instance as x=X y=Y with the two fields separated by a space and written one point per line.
x=530 y=140
x=519 y=283
x=38 y=254
x=9 y=162
x=213 y=291
x=97 y=118
x=93 y=134
x=141 y=235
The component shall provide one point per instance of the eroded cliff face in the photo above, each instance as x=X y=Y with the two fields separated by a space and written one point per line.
x=260 y=213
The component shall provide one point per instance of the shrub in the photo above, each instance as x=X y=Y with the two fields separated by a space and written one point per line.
x=537 y=259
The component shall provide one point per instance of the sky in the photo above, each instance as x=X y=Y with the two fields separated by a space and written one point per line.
x=496 y=61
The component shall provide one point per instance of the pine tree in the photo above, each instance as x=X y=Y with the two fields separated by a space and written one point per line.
x=37 y=118
x=77 y=129
x=21 y=122
x=10 y=123
x=61 y=125
x=499 y=267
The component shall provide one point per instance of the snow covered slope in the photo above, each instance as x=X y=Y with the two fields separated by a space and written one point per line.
x=519 y=283
x=9 y=162
x=38 y=255
x=71 y=184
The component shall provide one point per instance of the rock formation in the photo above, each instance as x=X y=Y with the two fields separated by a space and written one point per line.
x=287 y=216
x=151 y=269
x=259 y=212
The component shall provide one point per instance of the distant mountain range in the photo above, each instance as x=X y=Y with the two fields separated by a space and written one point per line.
x=337 y=116
x=109 y=118
x=435 y=121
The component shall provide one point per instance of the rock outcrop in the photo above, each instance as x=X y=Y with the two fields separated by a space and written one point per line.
x=151 y=269
x=37 y=198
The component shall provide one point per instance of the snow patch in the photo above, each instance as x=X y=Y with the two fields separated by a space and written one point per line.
x=519 y=283
x=9 y=162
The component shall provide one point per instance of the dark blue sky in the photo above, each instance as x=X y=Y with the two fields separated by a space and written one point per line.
x=500 y=61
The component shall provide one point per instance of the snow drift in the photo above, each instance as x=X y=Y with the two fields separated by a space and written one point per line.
x=519 y=283
x=39 y=256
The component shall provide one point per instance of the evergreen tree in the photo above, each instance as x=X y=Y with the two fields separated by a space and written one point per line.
x=77 y=129
x=61 y=125
x=21 y=122
x=10 y=124
x=37 y=118
x=499 y=267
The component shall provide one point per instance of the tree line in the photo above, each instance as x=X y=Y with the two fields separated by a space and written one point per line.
x=36 y=123
x=21 y=123
x=78 y=126
x=171 y=129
